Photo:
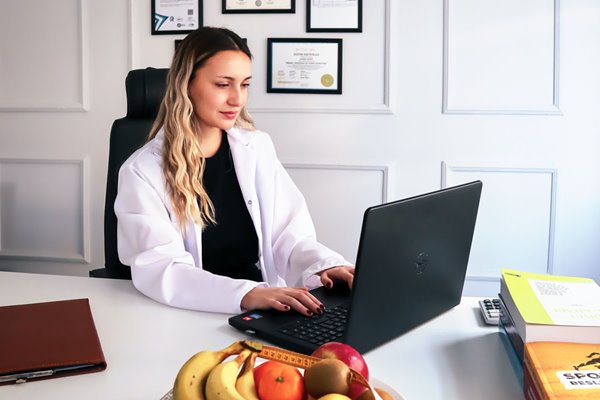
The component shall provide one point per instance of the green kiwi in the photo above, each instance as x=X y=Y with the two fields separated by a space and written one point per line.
x=327 y=376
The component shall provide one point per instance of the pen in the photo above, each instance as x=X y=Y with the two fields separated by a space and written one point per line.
x=24 y=376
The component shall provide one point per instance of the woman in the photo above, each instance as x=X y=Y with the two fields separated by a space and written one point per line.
x=208 y=219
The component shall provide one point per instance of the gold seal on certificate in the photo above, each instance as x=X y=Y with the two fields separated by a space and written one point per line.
x=327 y=80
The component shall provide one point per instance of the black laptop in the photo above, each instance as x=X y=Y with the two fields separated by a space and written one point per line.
x=411 y=265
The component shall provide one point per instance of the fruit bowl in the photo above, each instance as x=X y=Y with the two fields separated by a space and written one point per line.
x=373 y=381
x=393 y=392
x=231 y=373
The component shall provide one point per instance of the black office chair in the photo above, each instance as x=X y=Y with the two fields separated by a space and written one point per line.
x=145 y=89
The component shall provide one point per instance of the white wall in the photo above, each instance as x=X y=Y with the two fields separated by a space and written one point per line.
x=435 y=93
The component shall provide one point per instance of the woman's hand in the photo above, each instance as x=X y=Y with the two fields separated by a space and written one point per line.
x=340 y=273
x=282 y=299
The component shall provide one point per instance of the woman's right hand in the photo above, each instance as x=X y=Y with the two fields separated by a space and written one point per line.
x=282 y=299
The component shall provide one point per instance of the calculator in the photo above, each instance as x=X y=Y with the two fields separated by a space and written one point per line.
x=490 y=309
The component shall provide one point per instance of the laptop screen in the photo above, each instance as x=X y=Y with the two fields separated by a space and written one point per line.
x=411 y=263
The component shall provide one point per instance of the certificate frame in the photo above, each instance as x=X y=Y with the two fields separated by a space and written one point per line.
x=174 y=17
x=254 y=7
x=334 y=15
x=304 y=65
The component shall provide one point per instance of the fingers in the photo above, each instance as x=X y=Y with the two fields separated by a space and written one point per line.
x=298 y=299
x=341 y=273
x=305 y=303
x=326 y=280
x=347 y=274
x=279 y=306
x=350 y=280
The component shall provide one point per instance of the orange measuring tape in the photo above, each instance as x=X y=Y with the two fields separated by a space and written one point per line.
x=294 y=359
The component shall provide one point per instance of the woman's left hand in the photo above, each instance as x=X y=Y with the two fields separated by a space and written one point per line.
x=339 y=273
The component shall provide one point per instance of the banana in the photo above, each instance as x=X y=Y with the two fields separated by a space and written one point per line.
x=245 y=382
x=191 y=379
x=221 y=380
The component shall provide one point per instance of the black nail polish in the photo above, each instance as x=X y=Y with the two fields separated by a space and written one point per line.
x=309 y=312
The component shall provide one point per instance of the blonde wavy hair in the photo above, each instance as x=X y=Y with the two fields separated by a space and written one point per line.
x=183 y=161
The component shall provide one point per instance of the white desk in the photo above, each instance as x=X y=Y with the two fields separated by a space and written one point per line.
x=455 y=356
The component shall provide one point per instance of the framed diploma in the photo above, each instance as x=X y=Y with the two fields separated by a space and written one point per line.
x=176 y=16
x=258 y=6
x=334 y=15
x=304 y=65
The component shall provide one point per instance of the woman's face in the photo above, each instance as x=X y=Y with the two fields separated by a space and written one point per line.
x=219 y=90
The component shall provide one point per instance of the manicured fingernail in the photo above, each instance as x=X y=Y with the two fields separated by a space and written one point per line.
x=309 y=312
x=287 y=308
x=322 y=306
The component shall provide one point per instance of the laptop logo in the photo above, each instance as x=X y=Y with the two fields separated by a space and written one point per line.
x=422 y=263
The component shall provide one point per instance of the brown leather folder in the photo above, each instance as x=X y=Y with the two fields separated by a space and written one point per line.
x=48 y=340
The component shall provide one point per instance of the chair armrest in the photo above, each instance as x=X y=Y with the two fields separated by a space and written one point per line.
x=109 y=274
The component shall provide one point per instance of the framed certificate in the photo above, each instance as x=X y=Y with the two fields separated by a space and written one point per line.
x=258 y=6
x=304 y=65
x=334 y=15
x=176 y=16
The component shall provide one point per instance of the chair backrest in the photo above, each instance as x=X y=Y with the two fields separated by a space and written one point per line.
x=145 y=89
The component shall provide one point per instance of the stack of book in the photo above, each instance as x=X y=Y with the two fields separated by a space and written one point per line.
x=558 y=370
x=552 y=324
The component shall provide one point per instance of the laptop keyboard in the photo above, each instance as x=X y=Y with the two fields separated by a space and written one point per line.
x=319 y=329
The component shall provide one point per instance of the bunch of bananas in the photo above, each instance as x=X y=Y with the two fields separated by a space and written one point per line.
x=205 y=376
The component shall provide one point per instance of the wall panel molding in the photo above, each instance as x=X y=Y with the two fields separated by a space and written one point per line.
x=337 y=196
x=130 y=41
x=382 y=169
x=44 y=210
x=528 y=196
x=81 y=101
x=509 y=109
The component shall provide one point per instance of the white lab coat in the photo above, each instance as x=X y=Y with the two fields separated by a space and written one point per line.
x=167 y=266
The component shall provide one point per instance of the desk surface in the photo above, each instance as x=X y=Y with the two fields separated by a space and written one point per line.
x=454 y=356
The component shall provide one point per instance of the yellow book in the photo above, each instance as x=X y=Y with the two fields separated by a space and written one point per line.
x=552 y=308
x=557 y=370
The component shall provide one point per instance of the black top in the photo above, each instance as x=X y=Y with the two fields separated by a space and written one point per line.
x=230 y=247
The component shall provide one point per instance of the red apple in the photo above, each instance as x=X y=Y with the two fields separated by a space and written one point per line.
x=349 y=356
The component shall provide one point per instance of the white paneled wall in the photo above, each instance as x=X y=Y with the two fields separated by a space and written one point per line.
x=30 y=200
x=337 y=196
x=42 y=64
x=501 y=57
x=515 y=223
x=471 y=86
x=62 y=69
